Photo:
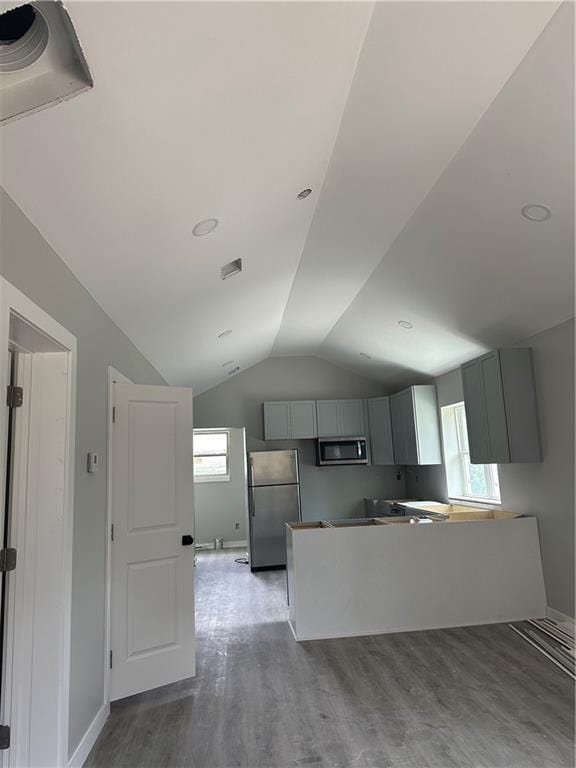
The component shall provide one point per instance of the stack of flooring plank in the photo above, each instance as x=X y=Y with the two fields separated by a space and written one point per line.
x=553 y=640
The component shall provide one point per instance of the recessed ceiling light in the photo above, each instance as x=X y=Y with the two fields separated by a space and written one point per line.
x=366 y=355
x=227 y=332
x=205 y=227
x=304 y=194
x=227 y=363
x=405 y=324
x=536 y=212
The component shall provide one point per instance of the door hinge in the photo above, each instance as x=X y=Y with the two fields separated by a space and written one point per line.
x=4 y=737
x=113 y=414
x=110 y=659
x=7 y=559
x=15 y=396
x=112 y=532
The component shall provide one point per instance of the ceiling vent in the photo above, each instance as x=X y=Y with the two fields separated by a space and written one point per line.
x=41 y=61
x=231 y=269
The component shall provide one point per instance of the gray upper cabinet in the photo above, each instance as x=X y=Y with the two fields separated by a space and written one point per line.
x=475 y=413
x=303 y=419
x=415 y=429
x=341 y=418
x=352 y=419
x=290 y=419
x=398 y=432
x=328 y=413
x=277 y=421
x=501 y=412
x=380 y=428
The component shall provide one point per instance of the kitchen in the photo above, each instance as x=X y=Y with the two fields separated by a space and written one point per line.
x=332 y=228
x=403 y=429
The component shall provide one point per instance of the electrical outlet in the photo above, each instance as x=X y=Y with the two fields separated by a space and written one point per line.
x=237 y=526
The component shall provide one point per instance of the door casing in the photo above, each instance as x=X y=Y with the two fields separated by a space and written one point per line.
x=113 y=376
x=35 y=701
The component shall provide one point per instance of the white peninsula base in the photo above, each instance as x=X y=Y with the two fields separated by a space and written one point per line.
x=383 y=577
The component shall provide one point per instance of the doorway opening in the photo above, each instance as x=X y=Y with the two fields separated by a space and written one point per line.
x=220 y=489
x=38 y=363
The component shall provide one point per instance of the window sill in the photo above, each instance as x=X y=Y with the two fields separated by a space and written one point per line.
x=469 y=501
x=221 y=479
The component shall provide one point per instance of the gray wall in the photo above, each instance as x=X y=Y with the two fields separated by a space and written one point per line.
x=28 y=262
x=327 y=492
x=219 y=505
x=545 y=489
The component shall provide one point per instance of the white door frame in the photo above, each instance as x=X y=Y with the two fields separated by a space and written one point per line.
x=20 y=688
x=113 y=376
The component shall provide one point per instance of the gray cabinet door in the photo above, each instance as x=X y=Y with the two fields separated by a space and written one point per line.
x=380 y=427
x=303 y=419
x=398 y=431
x=415 y=430
x=328 y=416
x=277 y=421
x=352 y=423
x=475 y=412
x=425 y=405
x=498 y=449
x=410 y=435
x=501 y=411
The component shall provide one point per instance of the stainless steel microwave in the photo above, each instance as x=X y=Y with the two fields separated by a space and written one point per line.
x=333 y=451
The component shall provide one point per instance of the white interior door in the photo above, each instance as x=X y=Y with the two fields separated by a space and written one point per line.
x=152 y=595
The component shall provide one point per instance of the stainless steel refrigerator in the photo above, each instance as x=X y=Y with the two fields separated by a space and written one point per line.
x=274 y=499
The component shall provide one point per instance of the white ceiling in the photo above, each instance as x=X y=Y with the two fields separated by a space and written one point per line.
x=421 y=143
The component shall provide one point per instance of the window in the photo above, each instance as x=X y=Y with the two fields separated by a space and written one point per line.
x=478 y=482
x=211 y=455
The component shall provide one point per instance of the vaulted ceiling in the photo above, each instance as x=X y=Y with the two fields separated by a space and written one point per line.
x=422 y=128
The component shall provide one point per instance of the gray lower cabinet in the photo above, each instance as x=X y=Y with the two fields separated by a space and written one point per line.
x=380 y=429
x=501 y=411
x=290 y=419
x=415 y=428
x=341 y=418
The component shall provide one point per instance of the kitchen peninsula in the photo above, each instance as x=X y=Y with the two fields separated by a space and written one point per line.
x=379 y=575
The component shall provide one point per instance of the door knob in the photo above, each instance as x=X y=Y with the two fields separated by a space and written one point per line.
x=187 y=540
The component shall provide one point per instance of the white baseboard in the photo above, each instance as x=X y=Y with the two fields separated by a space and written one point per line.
x=89 y=739
x=561 y=618
x=235 y=544
x=227 y=544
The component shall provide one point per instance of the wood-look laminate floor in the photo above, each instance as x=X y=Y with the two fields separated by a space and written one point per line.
x=470 y=697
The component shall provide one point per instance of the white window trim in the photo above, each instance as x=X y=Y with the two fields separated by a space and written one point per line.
x=472 y=501
x=487 y=502
x=215 y=478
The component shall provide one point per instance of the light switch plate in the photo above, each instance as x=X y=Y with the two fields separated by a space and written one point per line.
x=92 y=463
